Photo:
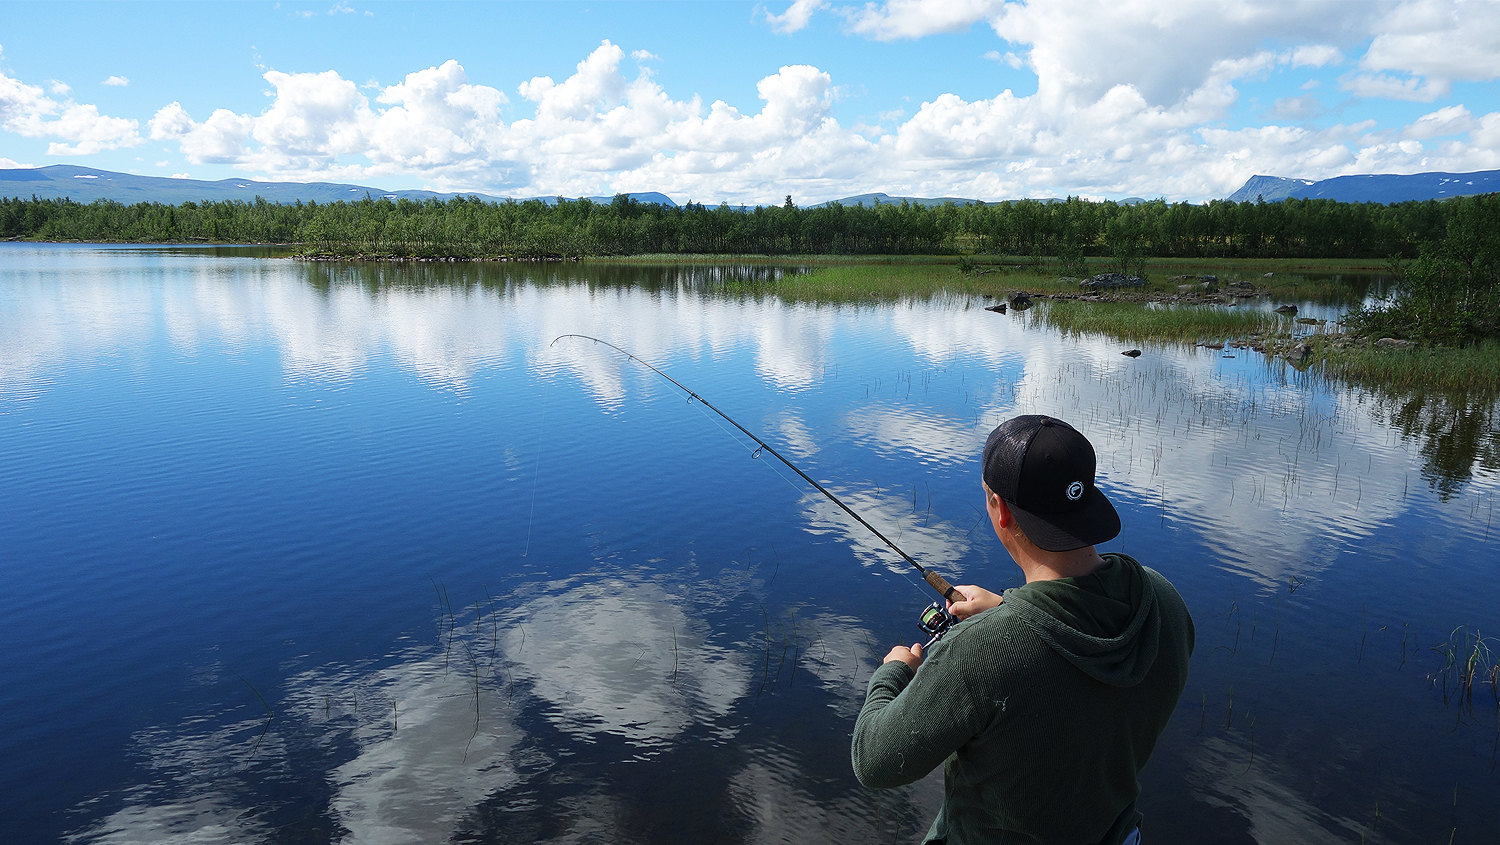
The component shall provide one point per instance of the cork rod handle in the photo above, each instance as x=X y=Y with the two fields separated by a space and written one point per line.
x=939 y=583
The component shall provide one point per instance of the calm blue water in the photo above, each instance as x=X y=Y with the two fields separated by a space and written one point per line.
x=324 y=553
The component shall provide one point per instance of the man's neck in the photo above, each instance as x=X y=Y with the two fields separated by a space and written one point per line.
x=1040 y=565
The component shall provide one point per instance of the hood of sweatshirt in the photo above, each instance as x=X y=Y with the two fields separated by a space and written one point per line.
x=1105 y=623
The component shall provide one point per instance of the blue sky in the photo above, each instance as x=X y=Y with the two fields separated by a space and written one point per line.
x=747 y=102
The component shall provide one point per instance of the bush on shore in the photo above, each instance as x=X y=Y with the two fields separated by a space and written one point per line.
x=1451 y=294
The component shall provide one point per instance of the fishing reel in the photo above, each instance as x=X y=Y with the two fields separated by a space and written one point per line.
x=936 y=620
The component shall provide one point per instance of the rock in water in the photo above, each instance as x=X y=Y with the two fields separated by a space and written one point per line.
x=1288 y=310
x=1134 y=353
x=1020 y=300
x=1111 y=281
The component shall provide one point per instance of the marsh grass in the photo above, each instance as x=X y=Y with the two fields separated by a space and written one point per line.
x=270 y=714
x=877 y=282
x=1468 y=663
x=1179 y=324
x=1435 y=368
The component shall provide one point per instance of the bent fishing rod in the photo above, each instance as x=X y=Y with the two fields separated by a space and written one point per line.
x=935 y=620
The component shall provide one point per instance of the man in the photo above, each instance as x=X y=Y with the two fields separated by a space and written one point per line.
x=1047 y=701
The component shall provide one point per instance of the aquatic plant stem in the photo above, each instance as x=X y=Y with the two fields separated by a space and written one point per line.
x=270 y=714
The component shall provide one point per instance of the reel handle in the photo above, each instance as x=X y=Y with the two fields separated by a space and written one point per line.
x=939 y=583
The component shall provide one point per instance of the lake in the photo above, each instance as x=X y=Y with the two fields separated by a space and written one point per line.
x=307 y=552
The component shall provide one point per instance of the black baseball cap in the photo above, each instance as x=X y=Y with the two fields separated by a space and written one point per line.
x=1044 y=470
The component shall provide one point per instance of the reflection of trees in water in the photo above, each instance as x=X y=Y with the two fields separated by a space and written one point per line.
x=375 y=276
x=703 y=278
x=1455 y=433
x=1343 y=289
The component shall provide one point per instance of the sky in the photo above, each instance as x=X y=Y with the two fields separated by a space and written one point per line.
x=724 y=101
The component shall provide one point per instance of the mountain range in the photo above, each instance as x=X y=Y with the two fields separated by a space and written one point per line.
x=87 y=184
x=1381 y=187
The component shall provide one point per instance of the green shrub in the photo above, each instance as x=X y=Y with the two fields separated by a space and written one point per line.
x=1451 y=293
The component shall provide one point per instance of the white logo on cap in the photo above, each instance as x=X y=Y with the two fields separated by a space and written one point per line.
x=1075 y=491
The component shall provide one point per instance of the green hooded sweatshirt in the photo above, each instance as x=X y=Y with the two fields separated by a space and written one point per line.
x=1045 y=709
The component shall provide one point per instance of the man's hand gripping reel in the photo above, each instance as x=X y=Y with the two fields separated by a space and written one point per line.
x=935 y=619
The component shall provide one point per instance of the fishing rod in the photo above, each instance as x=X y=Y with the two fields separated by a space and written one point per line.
x=935 y=619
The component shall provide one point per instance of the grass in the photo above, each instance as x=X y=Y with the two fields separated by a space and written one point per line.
x=1182 y=324
x=1430 y=368
x=879 y=282
x=1468 y=663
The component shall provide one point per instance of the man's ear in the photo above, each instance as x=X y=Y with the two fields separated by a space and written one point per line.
x=1005 y=518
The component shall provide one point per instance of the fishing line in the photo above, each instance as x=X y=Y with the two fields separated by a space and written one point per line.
x=933 y=579
x=755 y=454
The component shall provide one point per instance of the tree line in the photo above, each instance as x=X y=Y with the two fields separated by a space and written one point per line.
x=467 y=227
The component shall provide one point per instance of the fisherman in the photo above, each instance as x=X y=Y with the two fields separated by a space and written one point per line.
x=1047 y=700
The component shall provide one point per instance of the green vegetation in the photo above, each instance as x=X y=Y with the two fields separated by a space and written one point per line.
x=1452 y=293
x=881 y=282
x=1181 y=323
x=1474 y=367
x=1124 y=236
x=255 y=222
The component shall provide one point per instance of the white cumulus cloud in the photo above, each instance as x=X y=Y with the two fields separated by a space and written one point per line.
x=1138 y=97
x=796 y=16
x=1441 y=41
x=116 y=82
x=1445 y=121
x=896 y=19
x=82 y=130
x=218 y=140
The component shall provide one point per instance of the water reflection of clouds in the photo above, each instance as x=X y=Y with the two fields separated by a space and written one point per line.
x=841 y=655
x=447 y=746
x=445 y=336
x=770 y=792
x=1231 y=447
x=1236 y=452
x=324 y=338
x=925 y=436
x=430 y=740
x=953 y=331
x=48 y=322
x=791 y=343
x=1276 y=483
x=624 y=657
x=792 y=431
x=936 y=543
x=420 y=762
x=193 y=797
x=1264 y=794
